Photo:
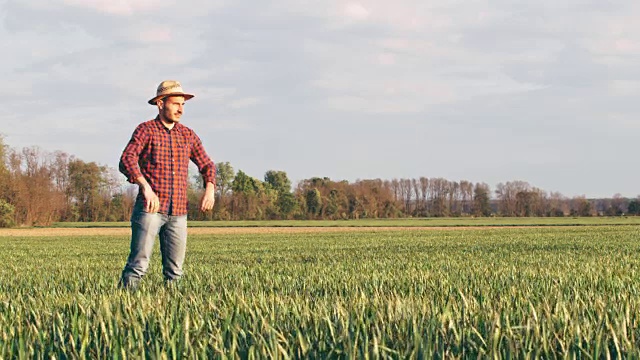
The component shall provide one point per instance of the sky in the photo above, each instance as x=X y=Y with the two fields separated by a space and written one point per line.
x=485 y=91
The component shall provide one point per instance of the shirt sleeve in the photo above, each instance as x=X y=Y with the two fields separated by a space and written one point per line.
x=129 y=165
x=205 y=165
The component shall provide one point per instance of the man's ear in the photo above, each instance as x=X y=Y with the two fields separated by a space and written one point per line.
x=160 y=104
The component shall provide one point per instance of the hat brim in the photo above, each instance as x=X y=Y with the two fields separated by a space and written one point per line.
x=186 y=97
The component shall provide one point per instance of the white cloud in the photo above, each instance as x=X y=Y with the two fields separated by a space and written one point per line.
x=625 y=87
x=226 y=124
x=121 y=7
x=155 y=35
x=209 y=94
x=245 y=102
x=342 y=61
x=356 y=11
x=386 y=58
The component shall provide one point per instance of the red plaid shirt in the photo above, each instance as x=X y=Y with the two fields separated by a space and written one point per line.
x=162 y=156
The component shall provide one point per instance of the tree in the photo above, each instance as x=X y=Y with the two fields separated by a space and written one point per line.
x=439 y=189
x=580 y=206
x=557 y=205
x=286 y=202
x=278 y=181
x=5 y=178
x=224 y=180
x=619 y=206
x=86 y=180
x=314 y=202
x=466 y=194
x=634 y=207
x=481 y=201
x=224 y=177
x=31 y=190
x=526 y=203
x=507 y=196
x=250 y=200
x=6 y=214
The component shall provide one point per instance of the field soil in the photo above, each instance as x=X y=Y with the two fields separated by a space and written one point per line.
x=46 y=232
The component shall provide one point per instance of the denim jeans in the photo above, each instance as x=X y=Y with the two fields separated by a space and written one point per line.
x=173 y=244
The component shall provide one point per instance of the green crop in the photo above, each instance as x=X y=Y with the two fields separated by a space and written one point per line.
x=526 y=293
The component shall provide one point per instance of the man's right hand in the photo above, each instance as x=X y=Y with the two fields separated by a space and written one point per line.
x=151 y=200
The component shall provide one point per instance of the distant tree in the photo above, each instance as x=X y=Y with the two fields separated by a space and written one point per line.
x=4 y=171
x=507 y=196
x=278 y=180
x=619 y=205
x=580 y=206
x=286 y=202
x=418 y=202
x=314 y=202
x=481 y=200
x=30 y=189
x=243 y=183
x=634 y=207
x=6 y=214
x=86 y=180
x=557 y=205
x=335 y=204
x=224 y=177
x=406 y=194
x=251 y=199
x=439 y=189
x=466 y=193
x=530 y=203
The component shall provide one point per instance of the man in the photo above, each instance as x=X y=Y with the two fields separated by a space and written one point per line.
x=157 y=159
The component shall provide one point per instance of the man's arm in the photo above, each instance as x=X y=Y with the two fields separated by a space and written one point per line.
x=130 y=167
x=204 y=163
x=208 y=170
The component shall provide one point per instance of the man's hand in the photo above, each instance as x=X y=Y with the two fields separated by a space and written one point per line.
x=151 y=200
x=208 y=198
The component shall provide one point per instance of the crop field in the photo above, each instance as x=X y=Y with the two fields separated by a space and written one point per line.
x=549 y=292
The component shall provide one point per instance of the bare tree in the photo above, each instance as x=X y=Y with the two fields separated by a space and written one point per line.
x=507 y=196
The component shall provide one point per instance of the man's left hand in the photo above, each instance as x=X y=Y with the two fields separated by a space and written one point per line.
x=208 y=199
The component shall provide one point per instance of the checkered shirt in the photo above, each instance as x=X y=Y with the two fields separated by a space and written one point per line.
x=162 y=156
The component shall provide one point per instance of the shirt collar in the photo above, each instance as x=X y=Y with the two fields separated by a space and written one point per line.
x=161 y=126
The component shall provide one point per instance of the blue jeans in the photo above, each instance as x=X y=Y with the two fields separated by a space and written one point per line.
x=173 y=245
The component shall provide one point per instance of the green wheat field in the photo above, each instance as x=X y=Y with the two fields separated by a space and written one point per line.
x=541 y=292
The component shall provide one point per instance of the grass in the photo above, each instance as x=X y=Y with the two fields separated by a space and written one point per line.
x=531 y=292
x=418 y=222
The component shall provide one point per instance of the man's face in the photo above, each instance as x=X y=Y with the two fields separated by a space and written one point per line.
x=171 y=108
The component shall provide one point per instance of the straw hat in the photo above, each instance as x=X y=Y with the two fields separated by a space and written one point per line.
x=169 y=88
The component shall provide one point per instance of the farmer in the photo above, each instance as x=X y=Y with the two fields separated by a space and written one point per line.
x=157 y=159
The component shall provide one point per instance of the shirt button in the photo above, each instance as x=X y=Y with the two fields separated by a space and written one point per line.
x=174 y=173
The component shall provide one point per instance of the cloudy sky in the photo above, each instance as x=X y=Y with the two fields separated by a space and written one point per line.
x=487 y=91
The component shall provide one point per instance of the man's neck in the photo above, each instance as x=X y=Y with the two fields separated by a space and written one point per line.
x=168 y=124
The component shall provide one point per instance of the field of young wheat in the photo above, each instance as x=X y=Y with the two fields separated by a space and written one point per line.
x=524 y=292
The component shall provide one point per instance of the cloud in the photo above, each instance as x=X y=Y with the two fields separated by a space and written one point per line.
x=625 y=87
x=156 y=35
x=121 y=7
x=356 y=11
x=423 y=75
x=245 y=102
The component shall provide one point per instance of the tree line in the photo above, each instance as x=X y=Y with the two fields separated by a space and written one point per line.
x=39 y=187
